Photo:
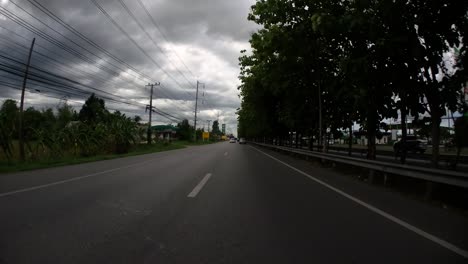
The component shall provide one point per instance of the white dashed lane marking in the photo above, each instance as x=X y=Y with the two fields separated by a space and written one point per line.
x=199 y=186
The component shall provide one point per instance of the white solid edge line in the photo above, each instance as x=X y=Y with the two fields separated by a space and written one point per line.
x=390 y=217
x=68 y=180
x=199 y=186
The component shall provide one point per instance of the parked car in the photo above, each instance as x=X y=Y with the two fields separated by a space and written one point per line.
x=242 y=141
x=412 y=144
x=232 y=140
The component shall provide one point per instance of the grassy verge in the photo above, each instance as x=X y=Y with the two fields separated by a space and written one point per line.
x=198 y=143
x=16 y=166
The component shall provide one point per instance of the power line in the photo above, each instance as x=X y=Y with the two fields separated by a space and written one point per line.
x=47 y=37
x=78 y=92
x=103 y=11
x=51 y=82
x=57 y=19
x=61 y=77
x=58 y=63
x=163 y=35
x=61 y=85
x=132 y=15
x=53 y=40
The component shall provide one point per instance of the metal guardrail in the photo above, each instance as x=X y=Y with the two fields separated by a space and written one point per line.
x=425 y=156
x=453 y=178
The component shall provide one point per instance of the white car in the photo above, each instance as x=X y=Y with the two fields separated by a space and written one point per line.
x=232 y=140
x=242 y=141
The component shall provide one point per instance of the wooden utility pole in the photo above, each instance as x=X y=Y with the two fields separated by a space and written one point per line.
x=20 y=125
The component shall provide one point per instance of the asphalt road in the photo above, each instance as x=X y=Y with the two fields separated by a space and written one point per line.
x=220 y=203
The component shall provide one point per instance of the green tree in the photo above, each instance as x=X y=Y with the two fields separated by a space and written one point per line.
x=356 y=59
x=215 y=128
x=137 y=119
x=9 y=113
x=65 y=114
x=8 y=125
x=49 y=121
x=122 y=131
x=93 y=110
x=185 y=130
x=33 y=120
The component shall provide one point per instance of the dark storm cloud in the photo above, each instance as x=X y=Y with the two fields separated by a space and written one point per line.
x=206 y=34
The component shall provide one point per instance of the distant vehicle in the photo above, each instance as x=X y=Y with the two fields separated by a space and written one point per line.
x=242 y=141
x=412 y=144
x=232 y=140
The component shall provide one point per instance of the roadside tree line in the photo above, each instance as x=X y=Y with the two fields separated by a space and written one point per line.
x=63 y=132
x=187 y=131
x=319 y=66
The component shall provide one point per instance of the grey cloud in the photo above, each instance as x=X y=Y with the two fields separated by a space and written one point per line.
x=213 y=26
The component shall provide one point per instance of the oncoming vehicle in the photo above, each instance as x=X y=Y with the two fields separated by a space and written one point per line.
x=412 y=144
x=242 y=141
x=232 y=140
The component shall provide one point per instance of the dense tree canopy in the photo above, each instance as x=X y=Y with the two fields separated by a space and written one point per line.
x=318 y=66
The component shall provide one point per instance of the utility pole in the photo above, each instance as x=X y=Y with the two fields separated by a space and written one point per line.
x=209 y=123
x=20 y=126
x=320 y=141
x=196 y=110
x=149 y=134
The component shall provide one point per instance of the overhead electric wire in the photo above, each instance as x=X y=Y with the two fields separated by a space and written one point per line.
x=52 y=40
x=162 y=34
x=57 y=19
x=65 y=37
x=18 y=20
x=47 y=37
x=54 y=62
x=12 y=86
x=59 y=55
x=66 y=79
x=61 y=77
x=103 y=11
x=114 y=73
x=67 y=70
x=54 y=83
x=132 y=15
x=156 y=110
x=111 y=94
x=75 y=91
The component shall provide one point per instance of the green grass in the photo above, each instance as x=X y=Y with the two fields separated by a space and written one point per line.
x=15 y=166
x=198 y=143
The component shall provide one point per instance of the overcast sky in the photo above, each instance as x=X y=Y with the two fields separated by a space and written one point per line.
x=183 y=41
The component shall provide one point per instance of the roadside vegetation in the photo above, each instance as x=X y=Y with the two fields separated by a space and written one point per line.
x=63 y=136
x=318 y=67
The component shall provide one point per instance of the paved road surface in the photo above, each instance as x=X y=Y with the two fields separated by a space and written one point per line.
x=221 y=203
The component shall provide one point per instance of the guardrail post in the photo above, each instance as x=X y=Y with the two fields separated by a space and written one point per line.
x=385 y=179
x=429 y=190
x=371 y=176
